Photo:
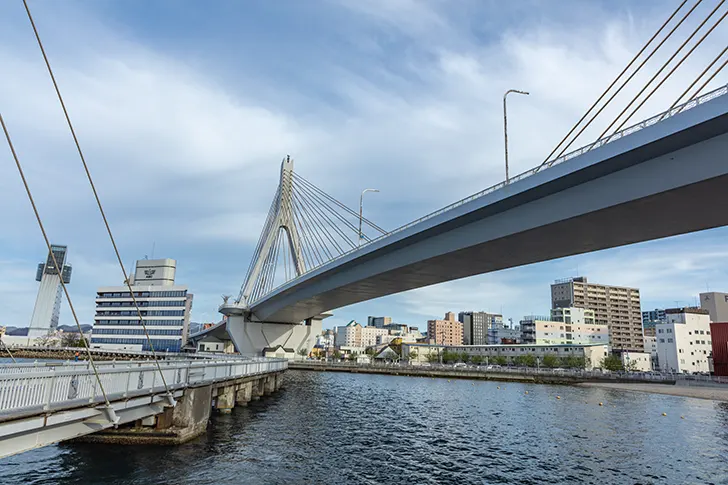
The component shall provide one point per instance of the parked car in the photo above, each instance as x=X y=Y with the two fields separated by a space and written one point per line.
x=460 y=365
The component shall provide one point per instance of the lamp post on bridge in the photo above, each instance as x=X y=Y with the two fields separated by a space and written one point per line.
x=505 y=124
x=361 y=202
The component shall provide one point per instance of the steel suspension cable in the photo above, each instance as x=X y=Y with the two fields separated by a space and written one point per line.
x=313 y=250
x=98 y=201
x=7 y=349
x=303 y=232
x=548 y=163
x=38 y=219
x=318 y=203
x=317 y=231
x=340 y=204
x=634 y=59
x=316 y=210
x=311 y=222
x=672 y=57
x=323 y=203
x=702 y=86
x=697 y=79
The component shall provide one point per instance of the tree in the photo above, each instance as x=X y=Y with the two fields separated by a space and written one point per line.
x=432 y=357
x=500 y=360
x=464 y=357
x=448 y=356
x=477 y=359
x=530 y=360
x=550 y=361
x=573 y=362
x=520 y=360
x=303 y=353
x=72 y=339
x=612 y=363
x=336 y=354
x=45 y=341
x=631 y=366
x=413 y=355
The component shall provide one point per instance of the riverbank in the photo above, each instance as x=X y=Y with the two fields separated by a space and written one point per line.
x=448 y=372
x=712 y=393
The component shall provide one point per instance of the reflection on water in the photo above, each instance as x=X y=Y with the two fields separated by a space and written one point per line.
x=357 y=428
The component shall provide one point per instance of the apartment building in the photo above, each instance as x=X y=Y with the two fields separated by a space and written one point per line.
x=445 y=332
x=615 y=306
x=476 y=326
x=566 y=326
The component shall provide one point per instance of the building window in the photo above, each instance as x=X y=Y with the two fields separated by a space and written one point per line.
x=662 y=340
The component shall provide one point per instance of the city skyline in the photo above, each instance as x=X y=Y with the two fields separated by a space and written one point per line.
x=142 y=81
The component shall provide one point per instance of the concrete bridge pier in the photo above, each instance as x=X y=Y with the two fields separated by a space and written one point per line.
x=225 y=399
x=244 y=394
x=189 y=418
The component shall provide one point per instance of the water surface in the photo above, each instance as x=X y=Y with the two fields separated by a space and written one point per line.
x=355 y=428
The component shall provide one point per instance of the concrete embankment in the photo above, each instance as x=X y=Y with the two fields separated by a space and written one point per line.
x=713 y=393
x=448 y=373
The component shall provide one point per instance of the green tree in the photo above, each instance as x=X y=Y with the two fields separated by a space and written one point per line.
x=550 y=361
x=450 y=357
x=573 y=362
x=432 y=357
x=336 y=354
x=500 y=360
x=303 y=353
x=477 y=359
x=520 y=360
x=413 y=355
x=72 y=339
x=464 y=357
x=612 y=363
x=529 y=360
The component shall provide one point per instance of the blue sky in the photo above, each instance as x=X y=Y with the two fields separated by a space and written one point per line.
x=185 y=109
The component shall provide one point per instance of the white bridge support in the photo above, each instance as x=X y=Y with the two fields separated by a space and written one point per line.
x=273 y=339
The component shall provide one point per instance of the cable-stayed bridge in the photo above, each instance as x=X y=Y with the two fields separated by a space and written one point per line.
x=661 y=177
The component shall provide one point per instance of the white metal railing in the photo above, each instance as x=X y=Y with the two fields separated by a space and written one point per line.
x=575 y=153
x=42 y=387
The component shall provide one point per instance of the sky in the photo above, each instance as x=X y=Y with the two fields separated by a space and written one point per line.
x=185 y=109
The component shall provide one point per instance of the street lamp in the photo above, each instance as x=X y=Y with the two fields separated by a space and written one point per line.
x=505 y=123
x=361 y=201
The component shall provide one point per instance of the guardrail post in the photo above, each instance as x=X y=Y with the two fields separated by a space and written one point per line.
x=49 y=390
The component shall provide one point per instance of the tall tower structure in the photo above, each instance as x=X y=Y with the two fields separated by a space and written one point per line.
x=48 y=301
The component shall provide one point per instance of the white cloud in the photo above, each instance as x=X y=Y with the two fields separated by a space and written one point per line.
x=410 y=105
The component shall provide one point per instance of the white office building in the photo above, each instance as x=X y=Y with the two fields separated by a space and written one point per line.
x=165 y=309
x=565 y=326
x=684 y=343
x=50 y=293
x=354 y=335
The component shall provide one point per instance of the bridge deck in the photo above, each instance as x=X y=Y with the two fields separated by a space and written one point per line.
x=64 y=400
x=646 y=182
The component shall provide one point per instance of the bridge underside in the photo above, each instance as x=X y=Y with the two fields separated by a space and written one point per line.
x=673 y=184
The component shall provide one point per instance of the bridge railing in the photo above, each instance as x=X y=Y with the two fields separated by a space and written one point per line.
x=27 y=389
x=575 y=153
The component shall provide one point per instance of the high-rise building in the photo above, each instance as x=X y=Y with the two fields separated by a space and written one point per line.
x=476 y=325
x=684 y=342
x=445 y=332
x=378 y=322
x=165 y=309
x=716 y=304
x=48 y=302
x=615 y=306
